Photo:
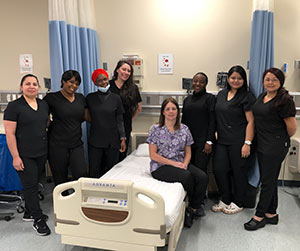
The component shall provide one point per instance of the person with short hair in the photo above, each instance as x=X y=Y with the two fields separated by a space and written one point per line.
x=25 y=121
x=68 y=109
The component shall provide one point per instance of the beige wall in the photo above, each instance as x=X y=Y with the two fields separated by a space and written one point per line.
x=24 y=30
x=209 y=36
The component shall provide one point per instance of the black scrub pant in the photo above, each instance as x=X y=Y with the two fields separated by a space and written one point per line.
x=199 y=158
x=30 y=176
x=61 y=158
x=193 y=180
x=269 y=167
x=230 y=168
x=101 y=160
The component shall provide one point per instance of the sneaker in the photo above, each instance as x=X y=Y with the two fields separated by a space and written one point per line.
x=219 y=207
x=199 y=212
x=188 y=218
x=232 y=209
x=29 y=218
x=41 y=227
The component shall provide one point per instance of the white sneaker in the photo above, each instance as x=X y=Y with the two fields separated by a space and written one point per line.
x=232 y=209
x=219 y=207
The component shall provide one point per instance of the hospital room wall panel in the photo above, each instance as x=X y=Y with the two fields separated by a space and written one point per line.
x=24 y=30
x=202 y=35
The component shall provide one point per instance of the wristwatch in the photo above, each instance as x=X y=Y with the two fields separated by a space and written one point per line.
x=248 y=142
x=209 y=142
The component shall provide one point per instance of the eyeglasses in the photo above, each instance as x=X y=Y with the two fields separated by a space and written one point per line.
x=271 y=80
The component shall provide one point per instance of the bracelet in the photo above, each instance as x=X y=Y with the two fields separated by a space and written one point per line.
x=209 y=142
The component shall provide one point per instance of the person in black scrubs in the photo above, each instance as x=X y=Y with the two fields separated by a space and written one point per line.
x=68 y=110
x=122 y=84
x=274 y=114
x=235 y=131
x=202 y=126
x=107 y=134
x=25 y=121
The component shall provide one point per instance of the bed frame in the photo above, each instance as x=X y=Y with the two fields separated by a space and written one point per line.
x=114 y=215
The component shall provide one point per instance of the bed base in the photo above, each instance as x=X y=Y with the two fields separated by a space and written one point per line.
x=83 y=219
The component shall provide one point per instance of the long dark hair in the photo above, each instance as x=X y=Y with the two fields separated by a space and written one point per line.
x=241 y=92
x=282 y=95
x=162 y=116
x=128 y=90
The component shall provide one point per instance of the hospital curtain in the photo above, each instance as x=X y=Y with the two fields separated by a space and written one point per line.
x=261 y=55
x=73 y=43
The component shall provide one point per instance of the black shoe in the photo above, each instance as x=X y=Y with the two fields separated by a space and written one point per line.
x=29 y=218
x=188 y=218
x=273 y=220
x=254 y=224
x=41 y=227
x=199 y=212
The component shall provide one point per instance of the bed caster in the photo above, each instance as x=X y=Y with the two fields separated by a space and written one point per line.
x=7 y=218
x=20 y=209
x=41 y=196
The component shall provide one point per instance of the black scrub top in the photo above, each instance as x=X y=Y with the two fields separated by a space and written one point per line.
x=231 y=118
x=127 y=116
x=198 y=114
x=269 y=124
x=31 y=134
x=65 y=129
x=104 y=109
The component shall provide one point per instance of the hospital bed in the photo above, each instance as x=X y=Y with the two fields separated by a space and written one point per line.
x=124 y=210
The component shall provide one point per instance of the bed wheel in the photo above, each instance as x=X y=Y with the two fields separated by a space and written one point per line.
x=20 y=209
x=41 y=196
x=7 y=218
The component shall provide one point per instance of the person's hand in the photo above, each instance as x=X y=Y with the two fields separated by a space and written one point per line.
x=245 y=151
x=122 y=146
x=18 y=164
x=207 y=148
x=180 y=165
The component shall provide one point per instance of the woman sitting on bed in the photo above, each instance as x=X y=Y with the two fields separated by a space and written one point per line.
x=170 y=152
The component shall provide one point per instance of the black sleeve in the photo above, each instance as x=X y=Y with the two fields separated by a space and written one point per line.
x=248 y=102
x=287 y=109
x=212 y=119
x=120 y=124
x=183 y=116
x=11 y=112
x=138 y=95
x=82 y=99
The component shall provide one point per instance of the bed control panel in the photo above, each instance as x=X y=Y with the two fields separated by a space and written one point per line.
x=106 y=201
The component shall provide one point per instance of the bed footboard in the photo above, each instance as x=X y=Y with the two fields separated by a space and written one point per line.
x=110 y=214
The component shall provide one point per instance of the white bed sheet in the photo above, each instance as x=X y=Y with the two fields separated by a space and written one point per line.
x=137 y=169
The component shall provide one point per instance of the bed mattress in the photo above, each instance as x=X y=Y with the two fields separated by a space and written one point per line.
x=137 y=169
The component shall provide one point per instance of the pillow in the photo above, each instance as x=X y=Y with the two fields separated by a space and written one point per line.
x=142 y=150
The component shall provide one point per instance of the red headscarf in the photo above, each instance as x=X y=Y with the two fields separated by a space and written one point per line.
x=97 y=72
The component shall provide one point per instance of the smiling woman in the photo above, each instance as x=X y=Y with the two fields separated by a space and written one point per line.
x=68 y=109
